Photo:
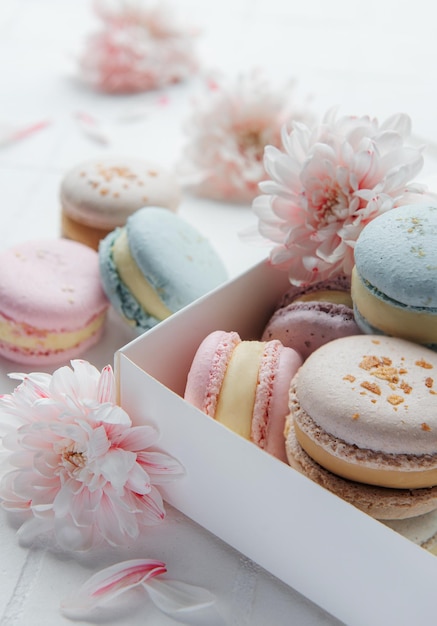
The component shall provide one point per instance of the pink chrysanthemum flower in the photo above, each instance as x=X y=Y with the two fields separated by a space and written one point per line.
x=227 y=132
x=140 y=47
x=327 y=183
x=82 y=472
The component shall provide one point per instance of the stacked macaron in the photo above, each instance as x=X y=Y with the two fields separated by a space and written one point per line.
x=52 y=305
x=99 y=195
x=155 y=265
x=394 y=281
x=308 y=317
x=363 y=423
x=244 y=385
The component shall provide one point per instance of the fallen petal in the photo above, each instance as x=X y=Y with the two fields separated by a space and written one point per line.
x=109 y=583
x=183 y=602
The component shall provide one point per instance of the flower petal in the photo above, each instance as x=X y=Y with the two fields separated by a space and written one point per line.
x=106 y=386
x=109 y=583
x=159 y=466
x=184 y=603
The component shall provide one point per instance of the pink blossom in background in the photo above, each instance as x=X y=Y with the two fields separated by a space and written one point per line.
x=140 y=47
x=83 y=474
x=227 y=131
x=326 y=183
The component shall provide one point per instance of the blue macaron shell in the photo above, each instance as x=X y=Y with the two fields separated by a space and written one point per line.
x=173 y=256
x=368 y=329
x=396 y=256
x=179 y=263
x=118 y=294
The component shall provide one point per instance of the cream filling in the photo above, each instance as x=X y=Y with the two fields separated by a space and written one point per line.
x=33 y=339
x=237 y=394
x=396 y=479
x=420 y=327
x=336 y=296
x=134 y=280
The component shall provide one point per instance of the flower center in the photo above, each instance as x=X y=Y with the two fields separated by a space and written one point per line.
x=250 y=140
x=71 y=457
x=333 y=206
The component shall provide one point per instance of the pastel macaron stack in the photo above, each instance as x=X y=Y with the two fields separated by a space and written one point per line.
x=394 y=281
x=156 y=265
x=363 y=424
x=244 y=385
x=98 y=195
x=308 y=317
x=52 y=305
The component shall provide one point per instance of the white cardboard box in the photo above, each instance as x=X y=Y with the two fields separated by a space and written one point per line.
x=349 y=564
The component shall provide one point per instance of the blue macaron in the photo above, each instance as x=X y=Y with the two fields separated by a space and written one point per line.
x=155 y=265
x=394 y=281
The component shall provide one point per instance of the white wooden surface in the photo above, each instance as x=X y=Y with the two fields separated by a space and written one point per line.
x=375 y=58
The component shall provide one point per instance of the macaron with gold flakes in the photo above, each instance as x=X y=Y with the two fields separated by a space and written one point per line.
x=363 y=423
x=98 y=195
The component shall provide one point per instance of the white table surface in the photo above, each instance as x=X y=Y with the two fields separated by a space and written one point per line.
x=373 y=57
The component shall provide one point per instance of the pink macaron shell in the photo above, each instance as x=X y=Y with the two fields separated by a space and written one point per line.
x=305 y=326
x=51 y=284
x=208 y=369
x=48 y=357
x=278 y=366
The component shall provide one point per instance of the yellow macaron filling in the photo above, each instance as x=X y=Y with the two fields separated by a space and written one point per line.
x=134 y=280
x=359 y=472
x=420 y=327
x=237 y=394
x=335 y=296
x=31 y=339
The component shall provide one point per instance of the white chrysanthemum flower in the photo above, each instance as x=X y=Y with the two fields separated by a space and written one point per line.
x=82 y=472
x=227 y=132
x=326 y=183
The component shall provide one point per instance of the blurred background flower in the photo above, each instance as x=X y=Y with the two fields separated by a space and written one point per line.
x=140 y=46
x=227 y=131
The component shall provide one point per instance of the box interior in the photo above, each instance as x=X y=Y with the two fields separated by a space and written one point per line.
x=312 y=540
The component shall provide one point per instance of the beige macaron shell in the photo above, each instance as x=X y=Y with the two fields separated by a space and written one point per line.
x=380 y=502
x=421 y=529
x=378 y=393
x=102 y=193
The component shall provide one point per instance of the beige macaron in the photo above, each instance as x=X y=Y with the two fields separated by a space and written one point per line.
x=421 y=530
x=99 y=195
x=363 y=423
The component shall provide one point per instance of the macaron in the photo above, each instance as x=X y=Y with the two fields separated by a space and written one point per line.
x=244 y=386
x=363 y=423
x=308 y=317
x=156 y=265
x=394 y=281
x=52 y=305
x=98 y=195
x=421 y=530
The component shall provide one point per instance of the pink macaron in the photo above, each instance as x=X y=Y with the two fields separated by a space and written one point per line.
x=245 y=386
x=307 y=318
x=52 y=305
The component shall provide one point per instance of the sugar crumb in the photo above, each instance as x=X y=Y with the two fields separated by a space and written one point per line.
x=349 y=377
x=373 y=387
x=424 y=364
x=394 y=399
